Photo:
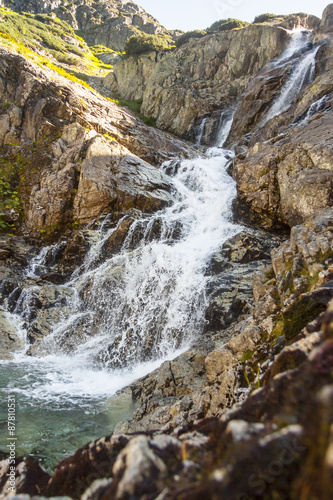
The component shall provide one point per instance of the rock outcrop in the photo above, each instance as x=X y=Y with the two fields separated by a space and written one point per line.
x=77 y=154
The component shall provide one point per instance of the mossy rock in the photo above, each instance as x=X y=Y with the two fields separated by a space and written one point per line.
x=307 y=308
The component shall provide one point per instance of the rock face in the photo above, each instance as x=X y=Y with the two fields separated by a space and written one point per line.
x=200 y=77
x=78 y=154
x=107 y=23
x=285 y=172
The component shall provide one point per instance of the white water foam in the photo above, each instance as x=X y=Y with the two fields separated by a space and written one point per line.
x=201 y=131
x=145 y=304
x=224 y=128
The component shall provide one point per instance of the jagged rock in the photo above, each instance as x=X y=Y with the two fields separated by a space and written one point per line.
x=229 y=290
x=287 y=182
x=137 y=471
x=326 y=25
x=10 y=340
x=29 y=478
x=86 y=158
x=94 y=461
x=200 y=77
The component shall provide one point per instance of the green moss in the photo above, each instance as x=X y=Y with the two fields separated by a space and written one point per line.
x=11 y=170
x=278 y=330
x=135 y=107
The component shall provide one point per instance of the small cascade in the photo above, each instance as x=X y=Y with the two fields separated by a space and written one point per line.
x=224 y=128
x=200 y=132
x=313 y=109
x=299 y=44
x=302 y=74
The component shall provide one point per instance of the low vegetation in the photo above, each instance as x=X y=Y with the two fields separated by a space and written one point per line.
x=190 y=34
x=140 y=44
x=227 y=24
x=49 y=37
x=264 y=18
x=11 y=171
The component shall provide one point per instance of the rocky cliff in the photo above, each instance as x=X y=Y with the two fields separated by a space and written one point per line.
x=69 y=152
x=246 y=412
x=201 y=77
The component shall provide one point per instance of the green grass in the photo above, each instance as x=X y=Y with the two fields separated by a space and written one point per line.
x=48 y=37
x=135 y=107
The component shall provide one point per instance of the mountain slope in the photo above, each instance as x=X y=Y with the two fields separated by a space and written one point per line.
x=107 y=23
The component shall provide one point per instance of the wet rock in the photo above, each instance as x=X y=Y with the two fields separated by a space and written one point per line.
x=42 y=307
x=10 y=339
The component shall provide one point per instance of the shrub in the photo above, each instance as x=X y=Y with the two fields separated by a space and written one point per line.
x=190 y=34
x=227 y=24
x=140 y=44
x=263 y=18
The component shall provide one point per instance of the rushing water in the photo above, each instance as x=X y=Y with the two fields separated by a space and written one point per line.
x=224 y=128
x=200 y=132
x=302 y=73
x=124 y=315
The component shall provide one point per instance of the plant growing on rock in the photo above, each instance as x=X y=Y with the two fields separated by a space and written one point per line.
x=190 y=34
x=140 y=44
x=264 y=17
x=227 y=24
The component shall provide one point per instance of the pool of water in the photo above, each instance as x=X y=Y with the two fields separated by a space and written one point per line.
x=60 y=407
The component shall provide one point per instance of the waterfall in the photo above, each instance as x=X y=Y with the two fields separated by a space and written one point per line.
x=119 y=317
x=224 y=128
x=200 y=132
x=303 y=73
x=313 y=109
x=142 y=305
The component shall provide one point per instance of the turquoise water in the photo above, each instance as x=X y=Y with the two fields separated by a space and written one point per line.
x=54 y=415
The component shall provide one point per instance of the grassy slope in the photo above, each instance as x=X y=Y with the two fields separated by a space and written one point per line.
x=45 y=39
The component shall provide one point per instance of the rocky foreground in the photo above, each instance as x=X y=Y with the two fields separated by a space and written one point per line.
x=247 y=412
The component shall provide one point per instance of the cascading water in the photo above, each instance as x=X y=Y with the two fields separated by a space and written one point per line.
x=123 y=315
x=303 y=73
x=315 y=107
x=224 y=128
x=200 y=132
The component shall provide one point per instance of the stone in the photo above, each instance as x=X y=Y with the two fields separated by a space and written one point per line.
x=94 y=461
x=10 y=339
x=88 y=158
x=137 y=471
